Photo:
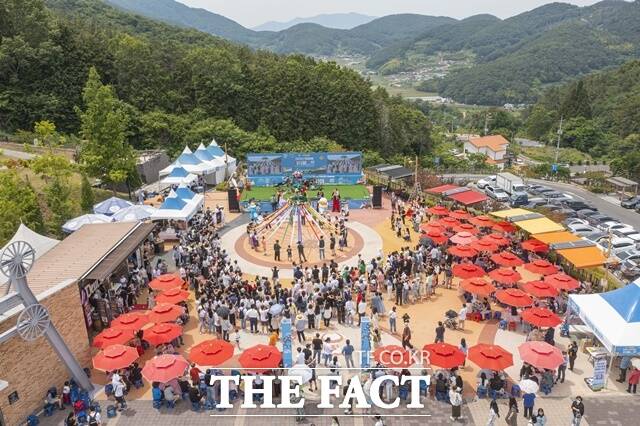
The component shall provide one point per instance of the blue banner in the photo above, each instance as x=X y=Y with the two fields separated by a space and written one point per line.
x=336 y=168
x=365 y=342
x=287 y=344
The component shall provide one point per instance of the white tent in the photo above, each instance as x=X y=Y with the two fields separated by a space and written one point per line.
x=188 y=161
x=175 y=208
x=134 y=213
x=39 y=243
x=77 y=223
x=229 y=162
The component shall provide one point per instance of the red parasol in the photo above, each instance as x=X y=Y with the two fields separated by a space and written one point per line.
x=468 y=270
x=443 y=355
x=165 y=312
x=173 y=296
x=162 y=333
x=540 y=289
x=491 y=357
x=462 y=251
x=497 y=239
x=460 y=214
x=535 y=246
x=482 y=221
x=438 y=210
x=435 y=225
x=130 y=321
x=260 y=358
x=211 y=352
x=478 y=286
x=112 y=336
x=504 y=226
x=448 y=222
x=115 y=357
x=541 y=317
x=166 y=282
x=505 y=276
x=506 y=258
x=542 y=267
x=164 y=368
x=466 y=227
x=514 y=297
x=435 y=236
x=562 y=282
x=463 y=238
x=393 y=356
x=485 y=246
x=541 y=355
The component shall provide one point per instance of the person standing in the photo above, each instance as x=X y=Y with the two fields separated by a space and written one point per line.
x=347 y=351
x=539 y=419
x=332 y=244
x=362 y=310
x=321 y=244
x=562 y=368
x=406 y=337
x=440 y=332
x=455 y=398
x=494 y=413
x=118 y=393
x=462 y=316
x=316 y=343
x=528 y=401
x=275 y=275
x=512 y=415
x=301 y=255
x=393 y=317
x=276 y=251
x=625 y=363
x=301 y=324
x=464 y=349
x=634 y=378
x=577 y=408
x=573 y=354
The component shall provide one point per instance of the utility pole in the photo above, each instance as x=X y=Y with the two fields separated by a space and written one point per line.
x=486 y=124
x=559 y=137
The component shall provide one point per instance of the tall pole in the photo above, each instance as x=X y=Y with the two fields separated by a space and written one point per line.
x=558 y=143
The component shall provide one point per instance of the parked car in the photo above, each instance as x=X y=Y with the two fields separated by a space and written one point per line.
x=496 y=193
x=633 y=254
x=551 y=207
x=630 y=203
x=576 y=205
x=594 y=237
x=585 y=213
x=597 y=219
x=538 y=189
x=535 y=202
x=575 y=220
x=568 y=213
x=489 y=180
x=630 y=269
x=617 y=226
x=618 y=244
x=581 y=229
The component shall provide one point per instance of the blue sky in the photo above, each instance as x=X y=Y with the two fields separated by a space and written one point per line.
x=254 y=12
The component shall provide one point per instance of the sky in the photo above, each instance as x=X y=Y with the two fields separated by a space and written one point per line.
x=251 y=13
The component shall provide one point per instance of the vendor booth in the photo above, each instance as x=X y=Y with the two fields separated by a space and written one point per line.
x=614 y=320
x=212 y=163
x=179 y=175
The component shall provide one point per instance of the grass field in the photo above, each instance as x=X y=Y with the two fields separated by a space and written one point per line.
x=264 y=193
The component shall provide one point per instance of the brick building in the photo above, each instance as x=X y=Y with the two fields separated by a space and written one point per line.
x=29 y=369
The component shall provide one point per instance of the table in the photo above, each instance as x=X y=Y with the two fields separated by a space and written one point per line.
x=596 y=352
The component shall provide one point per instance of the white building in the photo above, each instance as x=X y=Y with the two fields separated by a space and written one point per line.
x=494 y=147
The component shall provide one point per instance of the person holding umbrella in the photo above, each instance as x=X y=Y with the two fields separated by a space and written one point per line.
x=455 y=398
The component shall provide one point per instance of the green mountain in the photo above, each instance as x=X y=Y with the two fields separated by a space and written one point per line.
x=342 y=21
x=515 y=58
x=179 y=85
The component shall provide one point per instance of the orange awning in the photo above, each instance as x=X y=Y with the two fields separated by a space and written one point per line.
x=585 y=257
x=556 y=237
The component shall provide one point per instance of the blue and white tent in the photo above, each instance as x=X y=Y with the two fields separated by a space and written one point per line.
x=190 y=162
x=185 y=193
x=229 y=162
x=179 y=175
x=614 y=317
x=111 y=206
x=176 y=208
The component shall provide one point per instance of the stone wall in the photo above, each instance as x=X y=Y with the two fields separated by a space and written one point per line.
x=31 y=368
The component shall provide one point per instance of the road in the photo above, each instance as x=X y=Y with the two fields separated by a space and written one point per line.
x=627 y=216
x=16 y=154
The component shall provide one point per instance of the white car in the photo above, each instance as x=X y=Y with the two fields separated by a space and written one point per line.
x=617 y=244
x=498 y=194
x=617 y=226
x=581 y=229
x=575 y=221
x=489 y=180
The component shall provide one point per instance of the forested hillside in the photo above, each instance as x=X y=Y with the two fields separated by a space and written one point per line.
x=601 y=116
x=182 y=86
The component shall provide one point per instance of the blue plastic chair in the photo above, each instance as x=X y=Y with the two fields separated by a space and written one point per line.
x=481 y=392
x=33 y=420
x=111 y=411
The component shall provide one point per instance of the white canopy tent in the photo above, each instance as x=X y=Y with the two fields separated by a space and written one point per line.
x=77 y=223
x=40 y=244
x=134 y=213
x=230 y=162
x=179 y=175
x=175 y=208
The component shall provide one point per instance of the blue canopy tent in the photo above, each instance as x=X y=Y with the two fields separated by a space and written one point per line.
x=111 y=205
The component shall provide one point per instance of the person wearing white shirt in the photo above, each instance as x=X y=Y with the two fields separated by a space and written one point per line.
x=462 y=316
x=362 y=310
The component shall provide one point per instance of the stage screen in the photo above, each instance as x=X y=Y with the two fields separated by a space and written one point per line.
x=340 y=168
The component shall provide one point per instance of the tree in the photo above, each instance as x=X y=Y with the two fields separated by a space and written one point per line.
x=105 y=153
x=46 y=132
x=577 y=102
x=57 y=195
x=18 y=204
x=50 y=165
x=87 y=197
